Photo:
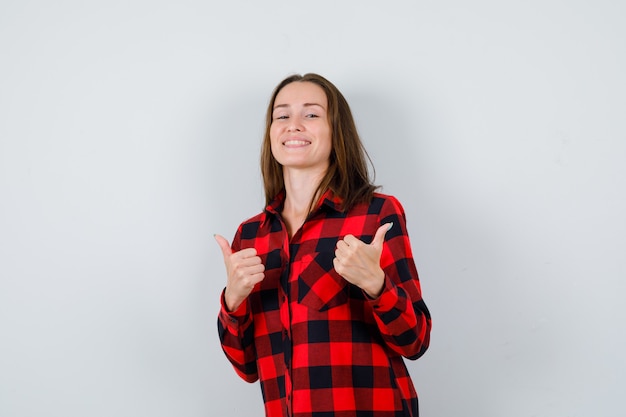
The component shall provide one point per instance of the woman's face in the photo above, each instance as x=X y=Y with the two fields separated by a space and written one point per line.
x=300 y=132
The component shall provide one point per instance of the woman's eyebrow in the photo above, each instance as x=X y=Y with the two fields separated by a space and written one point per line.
x=304 y=105
x=313 y=104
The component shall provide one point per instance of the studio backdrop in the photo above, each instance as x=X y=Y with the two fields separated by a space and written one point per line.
x=130 y=134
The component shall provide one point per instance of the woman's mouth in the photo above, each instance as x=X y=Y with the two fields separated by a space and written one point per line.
x=296 y=142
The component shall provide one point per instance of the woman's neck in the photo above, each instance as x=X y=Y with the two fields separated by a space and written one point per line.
x=300 y=189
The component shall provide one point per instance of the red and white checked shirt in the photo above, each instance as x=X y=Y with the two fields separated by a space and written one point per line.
x=319 y=346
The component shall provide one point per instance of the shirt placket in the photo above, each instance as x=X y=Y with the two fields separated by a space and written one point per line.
x=285 y=317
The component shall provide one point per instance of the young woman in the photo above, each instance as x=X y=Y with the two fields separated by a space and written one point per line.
x=322 y=299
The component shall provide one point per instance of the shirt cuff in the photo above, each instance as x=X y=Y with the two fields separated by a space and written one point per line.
x=387 y=299
x=237 y=318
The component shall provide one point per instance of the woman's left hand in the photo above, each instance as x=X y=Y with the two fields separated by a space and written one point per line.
x=359 y=263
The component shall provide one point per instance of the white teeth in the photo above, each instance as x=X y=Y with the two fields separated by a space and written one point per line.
x=295 y=142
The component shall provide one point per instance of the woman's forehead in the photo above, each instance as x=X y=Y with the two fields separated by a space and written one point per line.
x=302 y=93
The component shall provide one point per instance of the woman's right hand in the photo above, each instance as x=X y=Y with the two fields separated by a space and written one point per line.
x=244 y=270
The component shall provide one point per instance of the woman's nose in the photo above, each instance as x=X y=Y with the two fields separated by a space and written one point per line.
x=294 y=125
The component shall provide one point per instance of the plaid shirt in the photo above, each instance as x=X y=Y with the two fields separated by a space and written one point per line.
x=318 y=344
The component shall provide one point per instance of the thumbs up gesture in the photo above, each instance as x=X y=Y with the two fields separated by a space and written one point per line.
x=359 y=263
x=244 y=270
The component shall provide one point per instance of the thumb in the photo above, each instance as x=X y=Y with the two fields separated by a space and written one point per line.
x=379 y=237
x=224 y=245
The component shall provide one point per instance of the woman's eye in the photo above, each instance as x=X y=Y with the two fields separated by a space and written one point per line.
x=312 y=116
x=281 y=117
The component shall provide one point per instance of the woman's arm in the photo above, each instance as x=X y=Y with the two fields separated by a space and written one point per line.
x=236 y=332
x=400 y=312
x=235 y=325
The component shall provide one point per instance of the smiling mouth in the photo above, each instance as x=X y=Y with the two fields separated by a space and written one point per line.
x=296 y=142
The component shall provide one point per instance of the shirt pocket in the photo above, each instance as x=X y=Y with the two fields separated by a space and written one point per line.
x=320 y=287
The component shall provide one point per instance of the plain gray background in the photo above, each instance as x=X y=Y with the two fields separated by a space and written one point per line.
x=130 y=132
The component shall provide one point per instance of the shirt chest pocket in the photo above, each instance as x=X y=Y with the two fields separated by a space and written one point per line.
x=319 y=286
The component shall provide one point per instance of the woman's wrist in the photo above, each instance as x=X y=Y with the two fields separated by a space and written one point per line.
x=374 y=291
x=230 y=303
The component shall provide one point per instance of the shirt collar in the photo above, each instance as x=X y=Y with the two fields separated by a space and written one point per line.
x=328 y=199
